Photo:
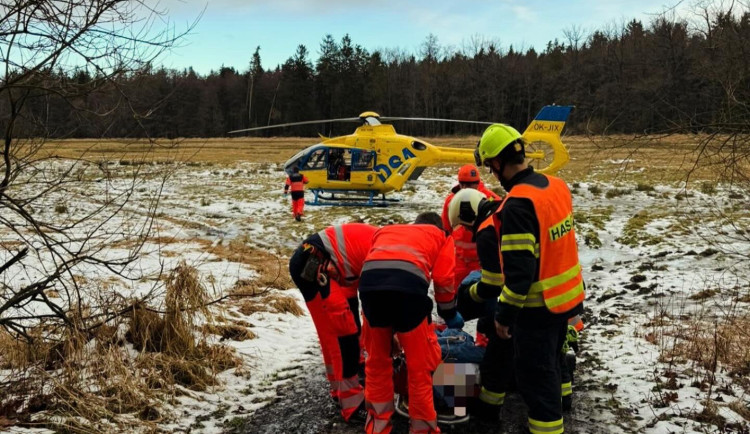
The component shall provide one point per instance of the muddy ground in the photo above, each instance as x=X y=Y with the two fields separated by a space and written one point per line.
x=303 y=406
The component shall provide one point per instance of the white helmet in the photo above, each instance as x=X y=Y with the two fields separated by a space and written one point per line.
x=464 y=207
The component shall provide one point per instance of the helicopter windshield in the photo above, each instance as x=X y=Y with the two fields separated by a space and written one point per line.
x=315 y=160
x=302 y=159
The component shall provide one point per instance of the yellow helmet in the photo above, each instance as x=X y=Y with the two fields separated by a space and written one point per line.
x=495 y=139
x=464 y=207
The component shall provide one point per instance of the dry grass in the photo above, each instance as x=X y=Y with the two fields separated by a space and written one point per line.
x=234 y=332
x=273 y=303
x=247 y=288
x=217 y=150
x=180 y=357
x=10 y=244
x=741 y=408
x=185 y=297
x=130 y=243
x=272 y=269
x=146 y=330
x=708 y=344
x=102 y=387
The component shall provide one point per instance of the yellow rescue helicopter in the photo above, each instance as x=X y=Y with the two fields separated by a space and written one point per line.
x=376 y=160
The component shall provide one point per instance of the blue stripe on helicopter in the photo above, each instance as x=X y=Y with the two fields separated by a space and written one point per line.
x=554 y=113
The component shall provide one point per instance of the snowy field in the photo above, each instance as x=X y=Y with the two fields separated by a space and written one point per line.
x=661 y=264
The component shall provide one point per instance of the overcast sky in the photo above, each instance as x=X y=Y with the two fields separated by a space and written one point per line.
x=229 y=30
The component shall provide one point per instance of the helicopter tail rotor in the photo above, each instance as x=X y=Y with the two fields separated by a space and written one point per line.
x=542 y=138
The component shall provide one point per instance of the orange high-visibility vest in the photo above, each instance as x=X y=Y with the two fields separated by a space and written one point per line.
x=560 y=281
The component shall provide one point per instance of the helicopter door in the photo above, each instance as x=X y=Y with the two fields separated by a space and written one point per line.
x=362 y=168
x=339 y=164
x=400 y=176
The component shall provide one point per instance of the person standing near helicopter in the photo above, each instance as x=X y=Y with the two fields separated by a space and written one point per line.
x=296 y=183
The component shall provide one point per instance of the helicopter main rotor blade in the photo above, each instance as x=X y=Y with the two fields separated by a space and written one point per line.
x=290 y=124
x=388 y=118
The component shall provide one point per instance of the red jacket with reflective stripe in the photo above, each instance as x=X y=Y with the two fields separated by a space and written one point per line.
x=466 y=249
x=423 y=250
x=348 y=245
x=296 y=181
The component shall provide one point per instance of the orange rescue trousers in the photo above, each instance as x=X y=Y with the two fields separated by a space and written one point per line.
x=339 y=341
x=298 y=207
x=422 y=353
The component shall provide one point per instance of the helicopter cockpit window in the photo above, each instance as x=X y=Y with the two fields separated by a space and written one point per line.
x=316 y=160
x=362 y=160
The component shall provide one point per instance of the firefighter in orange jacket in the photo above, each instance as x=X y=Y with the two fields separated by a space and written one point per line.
x=296 y=183
x=466 y=248
x=471 y=210
x=543 y=284
x=326 y=268
x=394 y=293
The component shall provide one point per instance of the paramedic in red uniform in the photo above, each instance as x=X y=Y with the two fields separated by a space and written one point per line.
x=296 y=183
x=396 y=276
x=326 y=268
x=466 y=247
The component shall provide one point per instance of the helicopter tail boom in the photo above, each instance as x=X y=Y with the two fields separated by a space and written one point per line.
x=455 y=155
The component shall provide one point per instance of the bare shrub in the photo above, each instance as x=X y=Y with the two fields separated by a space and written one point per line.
x=726 y=342
x=48 y=314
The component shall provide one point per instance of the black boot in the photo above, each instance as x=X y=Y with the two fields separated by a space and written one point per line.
x=359 y=416
x=483 y=411
x=567 y=402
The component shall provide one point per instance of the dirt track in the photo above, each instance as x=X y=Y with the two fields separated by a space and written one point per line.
x=303 y=406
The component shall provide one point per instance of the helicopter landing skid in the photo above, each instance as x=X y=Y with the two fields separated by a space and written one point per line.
x=368 y=198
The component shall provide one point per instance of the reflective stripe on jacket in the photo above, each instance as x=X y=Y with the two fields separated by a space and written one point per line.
x=560 y=284
x=492 y=280
x=348 y=245
x=421 y=250
x=576 y=322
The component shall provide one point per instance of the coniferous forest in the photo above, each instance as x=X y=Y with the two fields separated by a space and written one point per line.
x=661 y=76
